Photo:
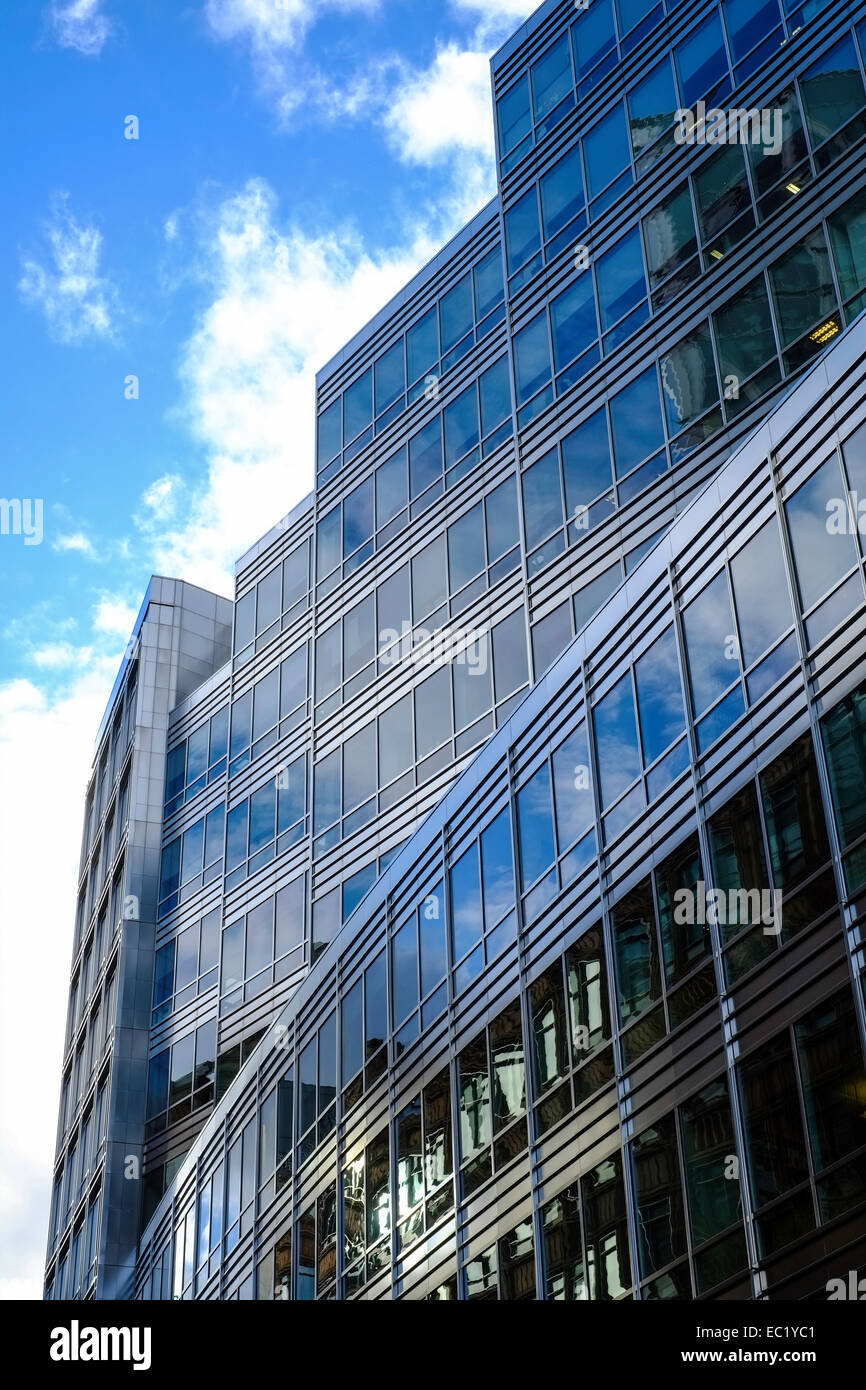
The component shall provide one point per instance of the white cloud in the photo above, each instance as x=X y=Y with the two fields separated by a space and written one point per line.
x=46 y=745
x=77 y=541
x=283 y=300
x=443 y=109
x=77 y=300
x=114 y=616
x=80 y=24
x=56 y=656
x=160 y=500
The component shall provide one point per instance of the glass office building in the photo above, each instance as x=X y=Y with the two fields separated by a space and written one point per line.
x=475 y=908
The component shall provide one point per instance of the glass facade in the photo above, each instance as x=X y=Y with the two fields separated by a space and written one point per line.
x=513 y=822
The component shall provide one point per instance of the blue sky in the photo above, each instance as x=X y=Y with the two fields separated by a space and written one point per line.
x=296 y=162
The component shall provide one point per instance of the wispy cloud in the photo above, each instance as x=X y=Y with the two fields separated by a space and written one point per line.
x=442 y=109
x=114 y=616
x=78 y=301
x=75 y=542
x=80 y=24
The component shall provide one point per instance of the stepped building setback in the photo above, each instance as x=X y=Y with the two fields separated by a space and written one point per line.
x=475 y=908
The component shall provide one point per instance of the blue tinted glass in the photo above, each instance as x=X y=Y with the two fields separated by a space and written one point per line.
x=434 y=957
x=621 y=282
x=466 y=918
x=501 y=510
x=328 y=543
x=514 y=118
x=425 y=457
x=748 y=21
x=352 y=1024
x=456 y=313
x=237 y=830
x=832 y=90
x=327 y=790
x=701 y=61
x=593 y=35
x=404 y=970
x=535 y=827
x=358 y=406
x=422 y=345
x=461 y=426
x=822 y=552
x=193 y=849
x=761 y=593
x=688 y=374
x=636 y=422
x=616 y=741
x=263 y=817
x=497 y=870
x=573 y=321
x=495 y=395
x=551 y=78
x=605 y=150
x=651 y=106
x=542 y=505
x=358 y=517
x=629 y=12
x=711 y=643
x=659 y=697
x=522 y=238
x=575 y=806
x=531 y=358
x=390 y=372
x=586 y=462
x=561 y=193
x=330 y=433
x=488 y=283
x=465 y=548
x=392 y=488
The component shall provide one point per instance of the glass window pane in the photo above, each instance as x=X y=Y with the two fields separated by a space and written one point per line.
x=573 y=321
x=510 y=667
x=711 y=643
x=669 y=235
x=522 y=238
x=821 y=556
x=684 y=942
x=831 y=1061
x=514 y=119
x=708 y=1144
x=549 y=1035
x=404 y=970
x=802 y=285
x=606 y=150
x=422 y=345
x=293 y=681
x=737 y=856
x=390 y=374
x=744 y=334
x=263 y=817
x=775 y=1147
x=358 y=517
x=535 y=827
x=586 y=463
x=500 y=507
x=461 y=426
x=358 y=637
x=542 y=502
x=636 y=953
x=688 y=374
x=761 y=593
x=330 y=433
x=658 y=1192
x=266 y=704
x=434 y=954
x=508 y=1070
x=562 y=194
x=651 y=106
x=796 y=832
x=659 y=697
x=472 y=684
x=495 y=391
x=358 y=406
x=722 y=197
x=832 y=91
x=616 y=741
x=701 y=61
x=586 y=975
x=497 y=870
x=395 y=740
x=392 y=488
x=359 y=767
x=432 y=712
x=488 y=284
x=636 y=422
x=531 y=358
x=848 y=240
x=329 y=543
x=456 y=313
x=473 y=1088
x=594 y=35
x=621 y=283
x=467 y=922
x=748 y=21
x=425 y=457
x=844 y=734
x=572 y=782
x=551 y=78
x=606 y=1230
x=429 y=579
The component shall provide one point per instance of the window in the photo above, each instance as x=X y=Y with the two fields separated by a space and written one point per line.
x=844 y=736
x=658 y=1196
x=651 y=106
x=594 y=38
x=606 y=154
x=513 y=119
x=803 y=297
x=796 y=832
x=848 y=241
x=574 y=328
x=671 y=245
x=621 y=285
x=366 y=1215
x=724 y=208
x=833 y=95
x=425 y=1165
x=636 y=423
x=746 y=343
x=492 y=1099
x=552 y=81
x=562 y=200
x=702 y=64
x=616 y=741
x=636 y=953
x=713 y=653
x=820 y=557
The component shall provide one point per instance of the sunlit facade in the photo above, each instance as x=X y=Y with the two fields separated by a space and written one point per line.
x=488 y=919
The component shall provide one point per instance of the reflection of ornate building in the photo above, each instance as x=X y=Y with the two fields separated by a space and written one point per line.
x=376 y=970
